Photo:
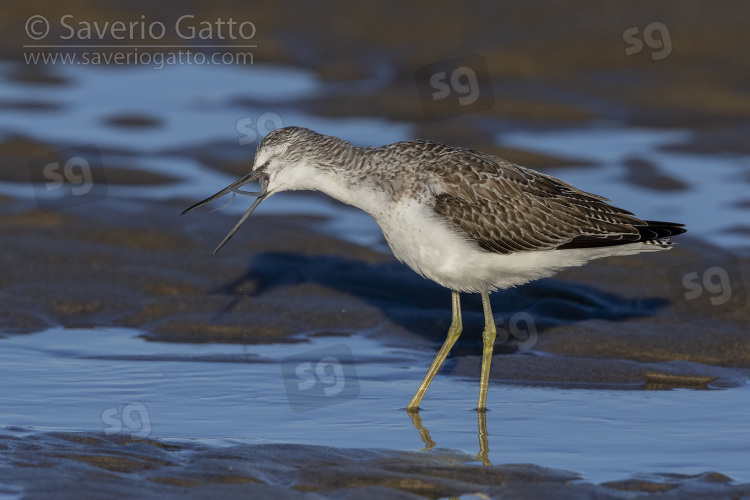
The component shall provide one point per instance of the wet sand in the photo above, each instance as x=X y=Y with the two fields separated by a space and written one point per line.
x=50 y=465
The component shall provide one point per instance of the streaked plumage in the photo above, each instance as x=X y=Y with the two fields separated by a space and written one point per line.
x=467 y=220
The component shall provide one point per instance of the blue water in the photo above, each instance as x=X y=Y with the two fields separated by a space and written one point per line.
x=224 y=394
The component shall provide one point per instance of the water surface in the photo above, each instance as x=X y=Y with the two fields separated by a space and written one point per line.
x=64 y=380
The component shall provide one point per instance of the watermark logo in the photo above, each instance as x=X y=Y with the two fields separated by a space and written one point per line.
x=134 y=420
x=68 y=177
x=186 y=27
x=707 y=287
x=252 y=129
x=138 y=41
x=37 y=27
x=319 y=378
x=657 y=38
x=455 y=87
x=521 y=330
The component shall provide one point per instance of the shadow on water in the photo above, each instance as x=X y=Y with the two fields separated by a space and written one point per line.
x=423 y=307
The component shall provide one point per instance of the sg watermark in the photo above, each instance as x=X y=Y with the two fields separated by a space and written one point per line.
x=68 y=177
x=654 y=34
x=133 y=419
x=521 y=330
x=132 y=41
x=707 y=287
x=319 y=378
x=455 y=87
x=252 y=129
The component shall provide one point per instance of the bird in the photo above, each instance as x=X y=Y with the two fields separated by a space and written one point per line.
x=469 y=221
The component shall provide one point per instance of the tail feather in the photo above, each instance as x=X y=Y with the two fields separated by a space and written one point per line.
x=663 y=229
x=651 y=232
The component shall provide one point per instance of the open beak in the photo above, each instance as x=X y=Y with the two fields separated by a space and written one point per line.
x=234 y=188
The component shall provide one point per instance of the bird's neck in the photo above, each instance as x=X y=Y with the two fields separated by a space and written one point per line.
x=347 y=176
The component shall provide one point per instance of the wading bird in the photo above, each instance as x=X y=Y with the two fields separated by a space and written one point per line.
x=469 y=221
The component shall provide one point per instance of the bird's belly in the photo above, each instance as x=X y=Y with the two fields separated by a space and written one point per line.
x=422 y=240
x=430 y=246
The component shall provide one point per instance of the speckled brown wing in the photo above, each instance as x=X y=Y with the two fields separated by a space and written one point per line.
x=508 y=208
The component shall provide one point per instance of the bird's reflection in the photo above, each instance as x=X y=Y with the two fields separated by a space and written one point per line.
x=484 y=444
x=416 y=421
x=424 y=434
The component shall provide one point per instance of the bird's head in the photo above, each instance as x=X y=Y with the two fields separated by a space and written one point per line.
x=280 y=165
x=283 y=158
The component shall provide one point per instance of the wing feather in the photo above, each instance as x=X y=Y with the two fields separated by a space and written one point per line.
x=508 y=208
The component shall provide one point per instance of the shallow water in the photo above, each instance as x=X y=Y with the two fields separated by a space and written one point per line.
x=193 y=105
x=82 y=380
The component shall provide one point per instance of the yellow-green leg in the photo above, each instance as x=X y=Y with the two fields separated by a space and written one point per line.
x=453 y=333
x=488 y=339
